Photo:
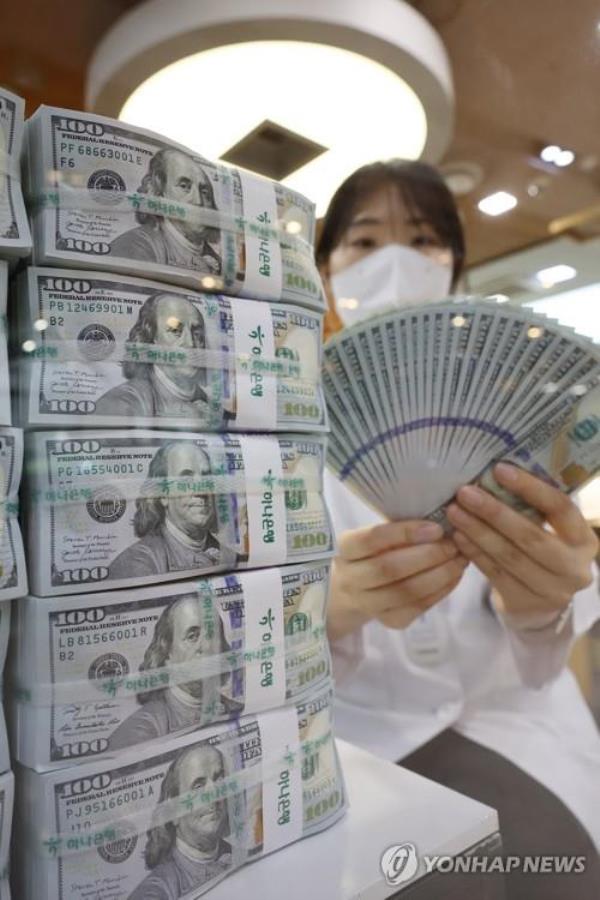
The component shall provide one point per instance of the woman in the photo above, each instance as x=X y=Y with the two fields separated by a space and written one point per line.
x=475 y=694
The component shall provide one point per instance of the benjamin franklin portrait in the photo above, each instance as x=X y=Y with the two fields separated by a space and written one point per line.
x=191 y=851
x=178 y=177
x=183 y=633
x=171 y=322
x=176 y=532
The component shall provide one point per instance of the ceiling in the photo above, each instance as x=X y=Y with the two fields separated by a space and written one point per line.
x=526 y=75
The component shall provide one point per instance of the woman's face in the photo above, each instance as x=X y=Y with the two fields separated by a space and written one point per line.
x=382 y=218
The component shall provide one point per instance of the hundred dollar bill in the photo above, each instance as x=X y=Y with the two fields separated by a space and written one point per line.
x=124 y=669
x=565 y=451
x=104 y=194
x=172 y=823
x=13 y=577
x=15 y=237
x=5 y=411
x=109 y=509
x=107 y=350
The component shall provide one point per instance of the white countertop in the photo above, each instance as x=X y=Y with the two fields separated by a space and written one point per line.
x=388 y=805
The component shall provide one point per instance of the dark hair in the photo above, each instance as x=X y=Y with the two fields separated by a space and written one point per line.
x=144 y=332
x=423 y=190
x=161 y=838
x=155 y=181
x=159 y=649
x=149 y=511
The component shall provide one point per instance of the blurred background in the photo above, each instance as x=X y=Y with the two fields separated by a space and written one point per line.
x=512 y=121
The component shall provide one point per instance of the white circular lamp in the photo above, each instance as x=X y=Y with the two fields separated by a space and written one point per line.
x=338 y=82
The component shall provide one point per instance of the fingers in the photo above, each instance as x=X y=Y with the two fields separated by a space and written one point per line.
x=557 y=508
x=505 y=583
x=402 y=616
x=366 y=542
x=415 y=590
x=547 y=549
x=398 y=564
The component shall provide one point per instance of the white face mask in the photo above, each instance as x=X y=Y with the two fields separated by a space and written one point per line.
x=395 y=275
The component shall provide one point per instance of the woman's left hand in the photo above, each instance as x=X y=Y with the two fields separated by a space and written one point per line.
x=534 y=570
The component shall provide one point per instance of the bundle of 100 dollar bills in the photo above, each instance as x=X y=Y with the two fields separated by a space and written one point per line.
x=111 y=350
x=176 y=820
x=13 y=576
x=5 y=624
x=120 y=508
x=104 y=194
x=423 y=400
x=15 y=238
x=128 y=668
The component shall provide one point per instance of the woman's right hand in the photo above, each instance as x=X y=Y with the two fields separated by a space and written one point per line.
x=391 y=572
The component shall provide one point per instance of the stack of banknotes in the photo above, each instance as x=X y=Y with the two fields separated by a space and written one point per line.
x=104 y=350
x=166 y=359
x=106 y=195
x=423 y=400
x=15 y=242
x=172 y=820
x=15 y=237
x=125 y=668
x=122 y=508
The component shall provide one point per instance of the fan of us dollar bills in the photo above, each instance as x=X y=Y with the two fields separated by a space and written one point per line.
x=424 y=400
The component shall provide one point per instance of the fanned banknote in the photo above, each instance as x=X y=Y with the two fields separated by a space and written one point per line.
x=13 y=577
x=423 y=400
x=129 y=668
x=104 y=194
x=175 y=822
x=111 y=350
x=15 y=237
x=123 y=508
x=5 y=411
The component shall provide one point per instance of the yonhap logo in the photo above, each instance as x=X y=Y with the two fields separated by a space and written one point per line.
x=399 y=863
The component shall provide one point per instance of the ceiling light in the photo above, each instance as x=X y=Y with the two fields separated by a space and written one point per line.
x=557 y=155
x=350 y=140
x=534 y=332
x=549 y=153
x=393 y=59
x=498 y=203
x=564 y=158
x=555 y=275
x=459 y=321
x=29 y=346
x=348 y=303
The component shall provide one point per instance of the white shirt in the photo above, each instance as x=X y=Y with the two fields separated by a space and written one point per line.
x=461 y=666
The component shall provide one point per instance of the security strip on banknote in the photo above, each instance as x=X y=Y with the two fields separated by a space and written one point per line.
x=124 y=669
x=193 y=812
x=423 y=400
x=15 y=237
x=108 y=350
x=13 y=576
x=97 y=515
x=107 y=195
